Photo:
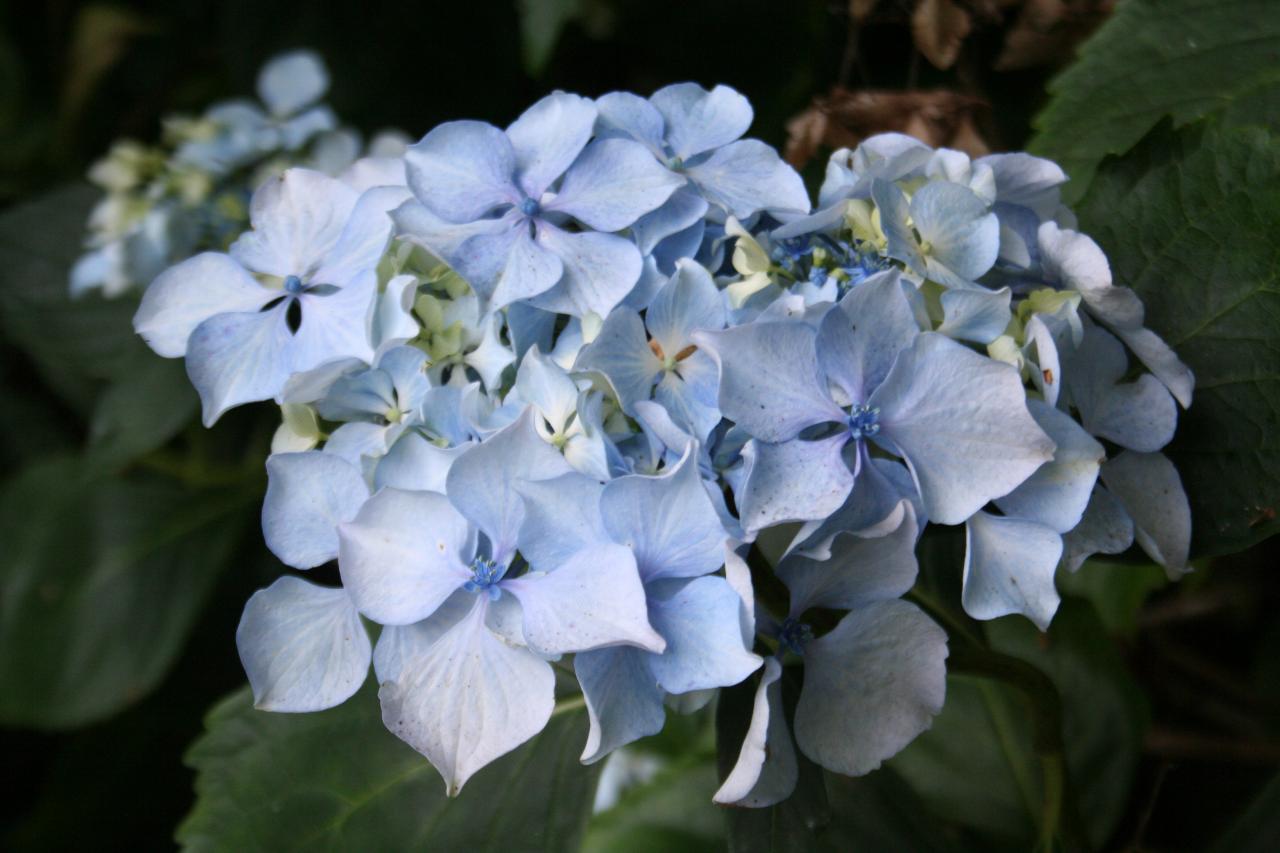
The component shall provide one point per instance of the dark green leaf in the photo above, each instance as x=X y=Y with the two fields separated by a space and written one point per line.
x=1257 y=830
x=100 y=582
x=148 y=405
x=75 y=343
x=1189 y=219
x=1104 y=714
x=338 y=780
x=541 y=22
x=670 y=812
x=1116 y=590
x=1182 y=58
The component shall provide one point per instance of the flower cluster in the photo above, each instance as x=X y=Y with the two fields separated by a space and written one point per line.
x=543 y=387
x=165 y=202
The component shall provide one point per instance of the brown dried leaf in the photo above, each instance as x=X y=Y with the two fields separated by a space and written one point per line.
x=939 y=28
x=844 y=118
x=1048 y=31
x=860 y=9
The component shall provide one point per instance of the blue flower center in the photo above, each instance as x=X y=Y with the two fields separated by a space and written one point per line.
x=864 y=420
x=292 y=284
x=485 y=574
x=794 y=635
x=529 y=207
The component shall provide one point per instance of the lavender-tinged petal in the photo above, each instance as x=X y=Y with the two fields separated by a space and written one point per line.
x=462 y=170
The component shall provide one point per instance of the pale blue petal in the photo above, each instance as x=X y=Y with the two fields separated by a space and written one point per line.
x=766 y=770
x=297 y=220
x=689 y=301
x=858 y=341
x=1162 y=361
x=562 y=516
x=366 y=395
x=545 y=385
x=794 y=480
x=698 y=120
x=398 y=644
x=482 y=481
x=415 y=464
x=686 y=401
x=877 y=489
x=682 y=211
x=870 y=686
x=415 y=222
x=895 y=218
x=624 y=701
x=508 y=265
x=769 y=380
x=308 y=495
x=962 y=233
x=979 y=316
x=599 y=269
x=302 y=646
x=187 y=294
x=492 y=357
x=961 y=422
x=621 y=352
x=1008 y=568
x=359 y=442
x=592 y=600
x=1105 y=529
x=612 y=184
x=509 y=696
x=1148 y=486
x=291 y=81
x=1031 y=182
x=885 y=156
x=700 y=620
x=629 y=115
x=547 y=138
x=1058 y=492
x=339 y=325
x=862 y=569
x=668 y=520
x=239 y=358
x=748 y=176
x=364 y=238
x=297 y=131
x=462 y=170
x=403 y=555
x=1139 y=415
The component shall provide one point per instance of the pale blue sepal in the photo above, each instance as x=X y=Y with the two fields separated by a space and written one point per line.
x=302 y=646
x=308 y=495
x=1008 y=568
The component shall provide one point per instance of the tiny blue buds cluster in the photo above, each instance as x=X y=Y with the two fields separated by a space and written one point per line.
x=543 y=386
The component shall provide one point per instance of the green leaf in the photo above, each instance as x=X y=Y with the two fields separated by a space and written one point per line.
x=1181 y=58
x=1116 y=590
x=100 y=583
x=338 y=780
x=1104 y=713
x=1258 y=827
x=75 y=343
x=984 y=733
x=541 y=22
x=148 y=405
x=671 y=812
x=1189 y=220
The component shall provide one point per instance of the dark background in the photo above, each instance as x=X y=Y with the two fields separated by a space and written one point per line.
x=75 y=76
